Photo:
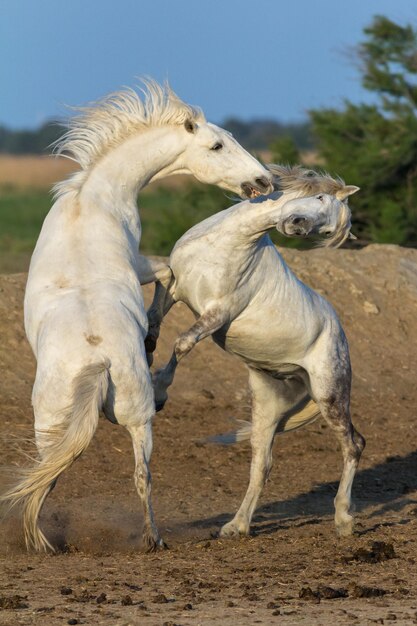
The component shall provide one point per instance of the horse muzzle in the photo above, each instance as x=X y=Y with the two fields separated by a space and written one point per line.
x=298 y=226
x=261 y=186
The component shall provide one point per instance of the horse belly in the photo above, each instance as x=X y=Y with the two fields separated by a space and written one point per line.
x=278 y=347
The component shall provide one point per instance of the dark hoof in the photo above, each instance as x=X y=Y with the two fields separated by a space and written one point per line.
x=150 y=344
x=159 y=406
x=151 y=545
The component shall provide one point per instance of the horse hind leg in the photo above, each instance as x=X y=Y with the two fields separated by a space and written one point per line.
x=142 y=445
x=262 y=438
x=352 y=451
x=335 y=410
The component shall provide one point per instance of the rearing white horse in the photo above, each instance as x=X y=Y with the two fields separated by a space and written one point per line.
x=84 y=312
x=242 y=293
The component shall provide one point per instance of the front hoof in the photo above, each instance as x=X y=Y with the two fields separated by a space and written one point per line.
x=150 y=343
x=150 y=544
x=159 y=405
x=232 y=531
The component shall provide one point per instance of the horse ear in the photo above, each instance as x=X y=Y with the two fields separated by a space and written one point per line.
x=190 y=126
x=347 y=190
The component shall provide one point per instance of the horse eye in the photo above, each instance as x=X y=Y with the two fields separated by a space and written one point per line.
x=217 y=146
x=320 y=198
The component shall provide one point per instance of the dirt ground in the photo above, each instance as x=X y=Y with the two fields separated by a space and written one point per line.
x=293 y=569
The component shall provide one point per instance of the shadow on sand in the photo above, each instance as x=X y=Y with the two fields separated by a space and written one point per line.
x=385 y=488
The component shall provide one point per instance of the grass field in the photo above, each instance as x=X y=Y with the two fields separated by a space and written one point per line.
x=22 y=212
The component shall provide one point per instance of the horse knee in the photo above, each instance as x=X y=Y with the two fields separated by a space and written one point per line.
x=359 y=443
x=359 y=439
x=183 y=345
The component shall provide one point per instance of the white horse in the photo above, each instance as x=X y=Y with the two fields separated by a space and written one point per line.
x=84 y=311
x=232 y=277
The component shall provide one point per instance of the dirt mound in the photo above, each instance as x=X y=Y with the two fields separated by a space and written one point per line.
x=93 y=514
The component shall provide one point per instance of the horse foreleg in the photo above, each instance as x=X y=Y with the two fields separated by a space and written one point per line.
x=206 y=325
x=162 y=301
x=142 y=446
x=159 y=272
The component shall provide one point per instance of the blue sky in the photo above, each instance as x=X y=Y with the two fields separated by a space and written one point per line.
x=247 y=58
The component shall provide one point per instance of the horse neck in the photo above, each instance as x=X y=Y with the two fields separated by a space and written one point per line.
x=115 y=181
x=253 y=218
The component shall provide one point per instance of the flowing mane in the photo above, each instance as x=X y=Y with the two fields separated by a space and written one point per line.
x=108 y=122
x=308 y=183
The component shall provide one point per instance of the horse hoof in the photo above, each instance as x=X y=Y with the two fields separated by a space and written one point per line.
x=159 y=406
x=232 y=531
x=154 y=545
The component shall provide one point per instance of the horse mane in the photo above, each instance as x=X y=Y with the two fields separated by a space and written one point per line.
x=104 y=124
x=306 y=182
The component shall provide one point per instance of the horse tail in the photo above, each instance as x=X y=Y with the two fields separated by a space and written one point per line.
x=293 y=420
x=307 y=415
x=61 y=445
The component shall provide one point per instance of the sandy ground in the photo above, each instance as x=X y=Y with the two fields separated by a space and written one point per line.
x=293 y=569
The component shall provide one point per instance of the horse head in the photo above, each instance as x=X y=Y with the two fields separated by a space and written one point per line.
x=213 y=156
x=323 y=214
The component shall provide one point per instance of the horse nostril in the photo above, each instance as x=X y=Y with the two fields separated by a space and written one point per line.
x=262 y=183
x=297 y=220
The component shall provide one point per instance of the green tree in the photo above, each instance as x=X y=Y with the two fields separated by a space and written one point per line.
x=284 y=150
x=375 y=146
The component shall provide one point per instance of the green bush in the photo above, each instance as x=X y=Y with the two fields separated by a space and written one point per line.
x=375 y=146
x=167 y=213
x=285 y=151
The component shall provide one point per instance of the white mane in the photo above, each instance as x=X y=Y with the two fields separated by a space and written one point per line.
x=108 y=122
x=305 y=181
